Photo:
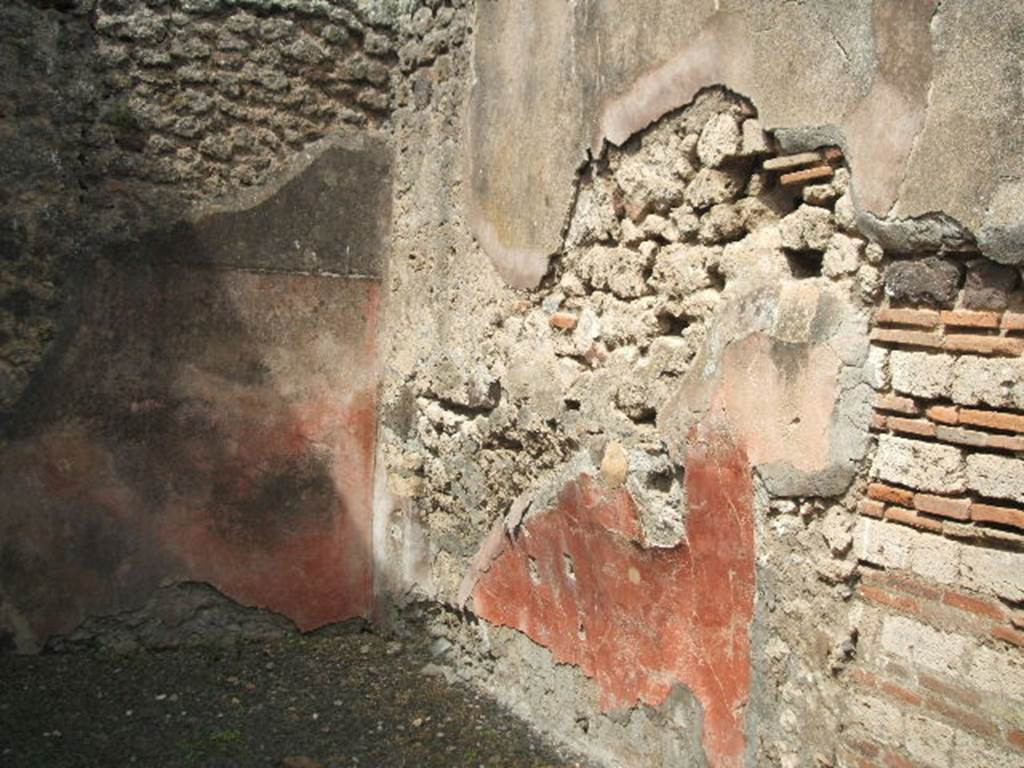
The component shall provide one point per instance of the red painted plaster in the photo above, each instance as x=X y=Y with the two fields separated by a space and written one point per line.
x=580 y=580
x=234 y=448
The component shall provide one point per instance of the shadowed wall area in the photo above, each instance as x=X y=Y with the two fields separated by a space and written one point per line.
x=208 y=419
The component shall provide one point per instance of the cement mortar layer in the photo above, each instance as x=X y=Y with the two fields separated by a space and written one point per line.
x=886 y=81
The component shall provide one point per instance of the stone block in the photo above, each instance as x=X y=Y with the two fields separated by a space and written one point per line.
x=997 y=382
x=993 y=572
x=923 y=646
x=922 y=374
x=893 y=546
x=920 y=465
x=1000 y=477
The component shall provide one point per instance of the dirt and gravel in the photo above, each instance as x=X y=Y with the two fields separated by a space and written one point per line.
x=349 y=698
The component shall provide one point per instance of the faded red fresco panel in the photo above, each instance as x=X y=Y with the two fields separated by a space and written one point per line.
x=579 y=580
x=214 y=425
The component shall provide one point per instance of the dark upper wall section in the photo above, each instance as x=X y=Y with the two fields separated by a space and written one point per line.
x=120 y=118
x=924 y=96
x=287 y=228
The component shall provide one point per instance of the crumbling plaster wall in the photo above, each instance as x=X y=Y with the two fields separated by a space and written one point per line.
x=203 y=200
x=886 y=81
x=540 y=494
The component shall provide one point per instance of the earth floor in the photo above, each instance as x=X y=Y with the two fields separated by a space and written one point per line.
x=344 y=699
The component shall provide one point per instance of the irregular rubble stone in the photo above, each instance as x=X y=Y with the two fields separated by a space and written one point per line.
x=988 y=285
x=842 y=257
x=719 y=141
x=619 y=270
x=713 y=185
x=679 y=270
x=614 y=465
x=932 y=280
x=724 y=222
x=754 y=140
x=807 y=228
x=760 y=252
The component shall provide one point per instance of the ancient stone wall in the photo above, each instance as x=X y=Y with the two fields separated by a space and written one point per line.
x=638 y=489
x=202 y=403
x=687 y=419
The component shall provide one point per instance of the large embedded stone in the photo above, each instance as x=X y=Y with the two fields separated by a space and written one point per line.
x=988 y=285
x=931 y=280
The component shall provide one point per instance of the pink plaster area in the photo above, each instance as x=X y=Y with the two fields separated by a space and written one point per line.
x=236 y=449
x=781 y=399
x=579 y=580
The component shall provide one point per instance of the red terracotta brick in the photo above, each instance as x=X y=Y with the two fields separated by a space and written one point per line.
x=891 y=495
x=1007 y=422
x=906 y=338
x=1006 y=442
x=864 y=747
x=910 y=517
x=889 y=599
x=1009 y=635
x=899 y=692
x=920 y=427
x=878 y=422
x=958 y=509
x=923 y=318
x=968 y=319
x=565 y=321
x=896 y=404
x=871 y=508
x=789 y=162
x=990 y=513
x=910 y=584
x=967 y=720
x=945 y=414
x=983 y=345
x=1013 y=321
x=816 y=173
x=863 y=677
x=896 y=760
x=974 y=605
x=1016 y=738
x=948 y=690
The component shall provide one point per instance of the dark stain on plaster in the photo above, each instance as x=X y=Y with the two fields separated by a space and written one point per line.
x=212 y=425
